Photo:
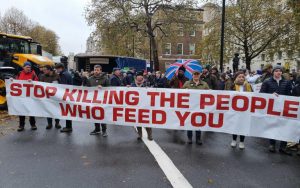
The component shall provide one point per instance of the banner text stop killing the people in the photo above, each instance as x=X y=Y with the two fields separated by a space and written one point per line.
x=249 y=114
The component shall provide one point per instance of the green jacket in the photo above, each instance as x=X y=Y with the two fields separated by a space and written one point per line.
x=49 y=78
x=192 y=85
x=102 y=80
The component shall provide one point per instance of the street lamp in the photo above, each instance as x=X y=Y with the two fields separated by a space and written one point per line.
x=133 y=27
x=222 y=37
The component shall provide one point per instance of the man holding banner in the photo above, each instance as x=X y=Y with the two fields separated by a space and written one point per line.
x=195 y=83
x=140 y=82
x=277 y=85
x=99 y=80
x=64 y=78
x=27 y=74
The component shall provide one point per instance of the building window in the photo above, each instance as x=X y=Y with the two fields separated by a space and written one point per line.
x=192 y=49
x=193 y=33
x=179 y=48
x=271 y=56
x=167 y=49
x=263 y=57
x=180 y=31
x=290 y=54
x=280 y=55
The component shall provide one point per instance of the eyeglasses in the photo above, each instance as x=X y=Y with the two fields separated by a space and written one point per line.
x=196 y=73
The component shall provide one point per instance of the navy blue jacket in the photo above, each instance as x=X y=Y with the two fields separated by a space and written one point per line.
x=115 y=81
x=65 y=78
x=271 y=86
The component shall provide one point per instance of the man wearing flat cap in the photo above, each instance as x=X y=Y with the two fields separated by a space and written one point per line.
x=115 y=79
x=195 y=83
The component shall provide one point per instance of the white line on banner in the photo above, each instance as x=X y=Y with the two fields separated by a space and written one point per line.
x=171 y=171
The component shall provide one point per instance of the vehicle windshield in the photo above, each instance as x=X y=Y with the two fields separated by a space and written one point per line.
x=11 y=45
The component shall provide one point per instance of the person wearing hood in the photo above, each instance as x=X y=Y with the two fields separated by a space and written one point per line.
x=241 y=85
x=277 y=85
x=27 y=74
x=178 y=80
x=99 y=79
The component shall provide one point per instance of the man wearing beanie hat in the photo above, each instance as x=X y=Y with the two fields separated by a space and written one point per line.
x=178 y=80
x=277 y=85
x=27 y=74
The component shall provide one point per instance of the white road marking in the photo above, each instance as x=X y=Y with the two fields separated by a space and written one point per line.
x=173 y=174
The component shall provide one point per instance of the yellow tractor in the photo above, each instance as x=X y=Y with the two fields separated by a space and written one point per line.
x=14 y=52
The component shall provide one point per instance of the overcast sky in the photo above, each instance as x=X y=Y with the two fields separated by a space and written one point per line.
x=65 y=17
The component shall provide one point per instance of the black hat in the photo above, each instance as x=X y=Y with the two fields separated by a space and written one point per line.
x=59 y=65
x=181 y=68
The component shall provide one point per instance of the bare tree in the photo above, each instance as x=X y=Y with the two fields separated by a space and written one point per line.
x=136 y=14
x=254 y=25
x=14 y=21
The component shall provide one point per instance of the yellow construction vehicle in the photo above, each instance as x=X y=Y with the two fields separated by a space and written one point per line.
x=14 y=52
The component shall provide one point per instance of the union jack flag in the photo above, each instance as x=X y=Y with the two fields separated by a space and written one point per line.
x=189 y=64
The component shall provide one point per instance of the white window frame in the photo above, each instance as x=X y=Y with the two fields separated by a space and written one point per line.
x=180 y=32
x=181 y=49
x=190 y=51
x=166 y=48
x=194 y=32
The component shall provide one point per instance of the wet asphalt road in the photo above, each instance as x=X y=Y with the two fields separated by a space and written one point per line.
x=48 y=158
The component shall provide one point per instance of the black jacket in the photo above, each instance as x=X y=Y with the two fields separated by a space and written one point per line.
x=65 y=78
x=296 y=90
x=271 y=86
x=115 y=81
x=77 y=80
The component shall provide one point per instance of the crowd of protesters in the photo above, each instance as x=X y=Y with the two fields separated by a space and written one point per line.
x=275 y=80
